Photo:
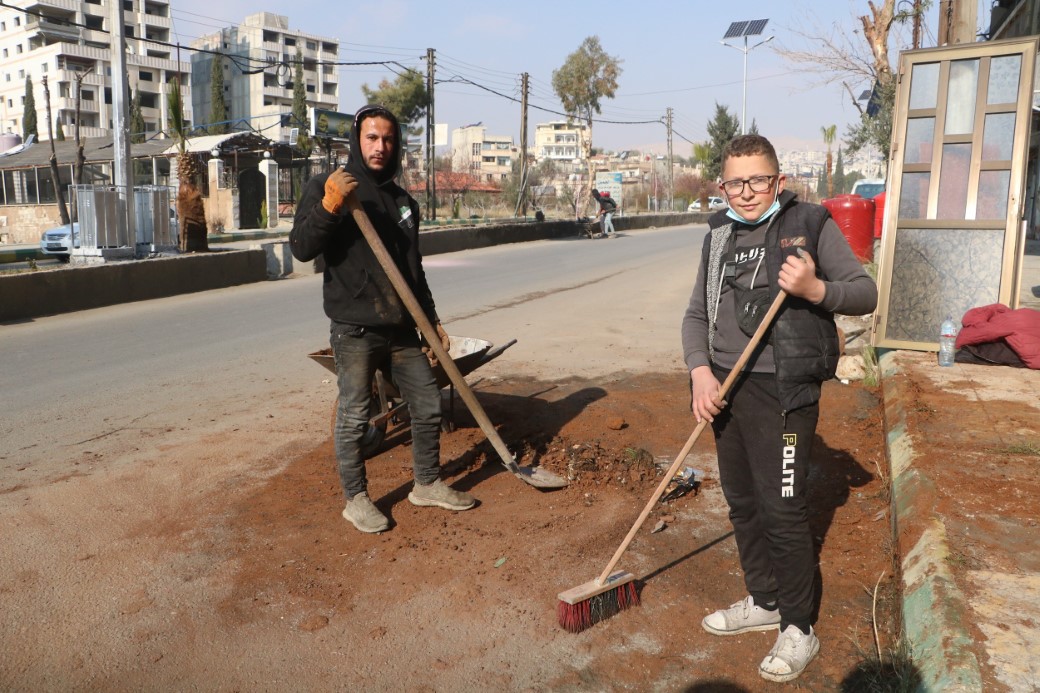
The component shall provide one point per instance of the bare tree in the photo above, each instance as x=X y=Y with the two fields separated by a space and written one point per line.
x=834 y=57
x=63 y=211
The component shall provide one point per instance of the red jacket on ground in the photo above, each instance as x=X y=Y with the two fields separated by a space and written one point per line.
x=1020 y=329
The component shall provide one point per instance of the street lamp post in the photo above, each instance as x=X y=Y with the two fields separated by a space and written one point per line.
x=744 y=29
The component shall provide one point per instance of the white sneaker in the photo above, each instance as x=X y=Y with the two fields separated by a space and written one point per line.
x=742 y=617
x=790 y=655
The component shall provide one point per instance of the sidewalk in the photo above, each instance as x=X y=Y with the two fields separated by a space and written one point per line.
x=964 y=449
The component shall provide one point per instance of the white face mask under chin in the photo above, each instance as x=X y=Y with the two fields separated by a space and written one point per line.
x=735 y=216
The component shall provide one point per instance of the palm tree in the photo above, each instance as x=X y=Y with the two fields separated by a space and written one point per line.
x=829 y=133
x=190 y=210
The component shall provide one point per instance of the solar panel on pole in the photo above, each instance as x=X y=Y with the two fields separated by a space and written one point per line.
x=735 y=29
x=755 y=27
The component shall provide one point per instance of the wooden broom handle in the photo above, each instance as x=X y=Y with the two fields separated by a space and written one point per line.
x=723 y=391
x=428 y=331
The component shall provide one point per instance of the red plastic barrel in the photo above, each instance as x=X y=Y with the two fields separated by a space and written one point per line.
x=855 y=217
x=879 y=213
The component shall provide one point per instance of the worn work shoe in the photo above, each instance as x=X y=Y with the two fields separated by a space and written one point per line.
x=742 y=617
x=364 y=515
x=441 y=495
x=790 y=655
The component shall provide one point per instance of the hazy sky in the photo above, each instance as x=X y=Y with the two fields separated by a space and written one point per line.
x=671 y=56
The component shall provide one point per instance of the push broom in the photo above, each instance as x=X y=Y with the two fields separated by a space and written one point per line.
x=585 y=605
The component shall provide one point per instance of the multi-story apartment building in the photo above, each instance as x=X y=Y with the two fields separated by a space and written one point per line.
x=261 y=99
x=489 y=157
x=65 y=40
x=559 y=140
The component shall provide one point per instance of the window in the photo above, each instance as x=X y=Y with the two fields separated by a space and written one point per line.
x=476 y=149
x=18 y=48
x=21 y=74
x=17 y=21
x=148 y=100
x=289 y=41
x=92 y=22
x=43 y=68
x=312 y=46
x=3 y=26
x=503 y=161
x=88 y=95
x=63 y=89
x=145 y=76
x=5 y=52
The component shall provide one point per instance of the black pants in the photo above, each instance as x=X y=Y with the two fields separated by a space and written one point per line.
x=763 y=463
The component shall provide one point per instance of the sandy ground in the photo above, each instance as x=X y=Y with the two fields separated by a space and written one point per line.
x=181 y=559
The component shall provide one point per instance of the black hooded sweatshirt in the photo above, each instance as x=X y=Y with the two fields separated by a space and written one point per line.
x=356 y=289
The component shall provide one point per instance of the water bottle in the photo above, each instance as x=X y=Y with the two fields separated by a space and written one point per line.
x=947 y=340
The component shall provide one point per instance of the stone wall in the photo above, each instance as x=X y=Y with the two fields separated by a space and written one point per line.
x=26 y=223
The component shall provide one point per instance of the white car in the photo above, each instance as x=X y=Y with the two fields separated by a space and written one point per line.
x=60 y=241
x=714 y=205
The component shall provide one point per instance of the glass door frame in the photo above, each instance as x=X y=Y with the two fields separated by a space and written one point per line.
x=1012 y=226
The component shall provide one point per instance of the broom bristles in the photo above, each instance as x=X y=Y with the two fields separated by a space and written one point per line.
x=588 y=612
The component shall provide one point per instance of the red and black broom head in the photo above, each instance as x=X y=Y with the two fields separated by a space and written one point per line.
x=583 y=606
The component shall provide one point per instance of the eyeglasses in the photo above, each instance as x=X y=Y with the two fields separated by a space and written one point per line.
x=759 y=184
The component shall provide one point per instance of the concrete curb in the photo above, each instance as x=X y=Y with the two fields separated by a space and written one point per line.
x=20 y=255
x=934 y=609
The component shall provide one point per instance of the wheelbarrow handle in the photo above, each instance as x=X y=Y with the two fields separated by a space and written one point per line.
x=535 y=477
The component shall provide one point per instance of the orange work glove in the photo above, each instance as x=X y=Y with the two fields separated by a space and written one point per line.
x=445 y=342
x=338 y=186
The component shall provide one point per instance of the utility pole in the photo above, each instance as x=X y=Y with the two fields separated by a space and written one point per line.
x=431 y=180
x=957 y=21
x=522 y=202
x=120 y=123
x=917 y=24
x=671 y=182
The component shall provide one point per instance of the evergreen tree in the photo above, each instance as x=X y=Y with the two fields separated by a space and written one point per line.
x=218 y=106
x=299 y=120
x=59 y=134
x=721 y=129
x=136 y=119
x=754 y=127
x=821 y=185
x=406 y=98
x=29 y=112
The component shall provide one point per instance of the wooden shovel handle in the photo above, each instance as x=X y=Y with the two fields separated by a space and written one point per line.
x=429 y=332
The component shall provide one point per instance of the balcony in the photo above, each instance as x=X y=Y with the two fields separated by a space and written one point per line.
x=44 y=5
x=56 y=29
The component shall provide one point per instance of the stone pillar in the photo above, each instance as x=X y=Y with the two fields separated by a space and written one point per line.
x=215 y=171
x=269 y=167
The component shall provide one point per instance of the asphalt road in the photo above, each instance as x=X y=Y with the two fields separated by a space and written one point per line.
x=576 y=307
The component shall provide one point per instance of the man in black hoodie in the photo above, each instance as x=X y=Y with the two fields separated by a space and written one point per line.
x=371 y=328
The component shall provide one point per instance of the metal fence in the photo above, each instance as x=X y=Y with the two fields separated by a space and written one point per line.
x=102 y=217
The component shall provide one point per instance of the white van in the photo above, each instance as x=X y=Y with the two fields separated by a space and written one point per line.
x=867 y=188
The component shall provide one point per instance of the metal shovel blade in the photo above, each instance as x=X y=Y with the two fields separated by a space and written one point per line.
x=539 y=478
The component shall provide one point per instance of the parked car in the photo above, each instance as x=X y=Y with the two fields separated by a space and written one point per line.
x=714 y=205
x=867 y=188
x=60 y=241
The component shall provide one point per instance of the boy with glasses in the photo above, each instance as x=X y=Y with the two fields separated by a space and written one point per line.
x=766 y=241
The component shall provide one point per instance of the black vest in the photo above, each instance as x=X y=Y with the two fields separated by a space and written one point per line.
x=805 y=338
